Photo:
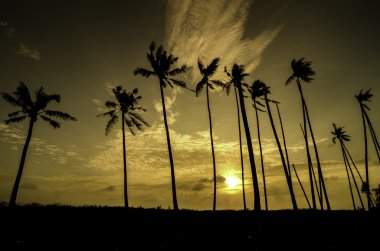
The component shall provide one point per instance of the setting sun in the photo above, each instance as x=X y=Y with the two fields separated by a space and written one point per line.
x=232 y=182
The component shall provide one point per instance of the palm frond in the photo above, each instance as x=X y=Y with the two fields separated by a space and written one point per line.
x=144 y=72
x=15 y=120
x=13 y=114
x=302 y=69
x=139 y=117
x=177 y=71
x=22 y=95
x=53 y=123
x=201 y=67
x=199 y=87
x=289 y=80
x=130 y=125
x=211 y=69
x=12 y=100
x=178 y=82
x=218 y=83
x=111 y=104
x=111 y=123
x=152 y=46
x=109 y=113
x=60 y=115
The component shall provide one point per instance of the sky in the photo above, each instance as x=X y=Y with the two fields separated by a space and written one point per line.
x=81 y=49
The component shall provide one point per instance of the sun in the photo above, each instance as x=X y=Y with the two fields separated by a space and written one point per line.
x=232 y=182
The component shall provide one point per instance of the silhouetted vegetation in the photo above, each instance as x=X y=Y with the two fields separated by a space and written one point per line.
x=126 y=105
x=32 y=110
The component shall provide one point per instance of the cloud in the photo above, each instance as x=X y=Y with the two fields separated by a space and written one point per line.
x=28 y=53
x=9 y=31
x=198 y=187
x=29 y=186
x=209 y=29
x=16 y=138
x=109 y=189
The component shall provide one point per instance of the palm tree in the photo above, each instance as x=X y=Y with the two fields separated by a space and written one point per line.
x=207 y=73
x=228 y=88
x=303 y=190
x=126 y=106
x=32 y=109
x=237 y=76
x=341 y=135
x=302 y=71
x=264 y=89
x=362 y=98
x=256 y=93
x=162 y=68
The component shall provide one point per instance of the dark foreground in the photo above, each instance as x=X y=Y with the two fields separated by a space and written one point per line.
x=92 y=228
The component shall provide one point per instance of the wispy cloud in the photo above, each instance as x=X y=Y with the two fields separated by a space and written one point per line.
x=9 y=31
x=217 y=28
x=24 y=51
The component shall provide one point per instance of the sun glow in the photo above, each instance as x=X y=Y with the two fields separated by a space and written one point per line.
x=232 y=182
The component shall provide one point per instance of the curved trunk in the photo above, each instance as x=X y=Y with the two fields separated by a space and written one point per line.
x=212 y=147
x=319 y=168
x=241 y=150
x=373 y=135
x=124 y=163
x=353 y=177
x=366 y=159
x=283 y=139
x=12 y=201
x=348 y=176
x=303 y=190
x=261 y=155
x=290 y=186
x=256 y=191
x=174 y=193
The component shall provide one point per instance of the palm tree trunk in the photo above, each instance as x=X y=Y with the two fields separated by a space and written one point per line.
x=293 y=197
x=256 y=191
x=366 y=159
x=319 y=168
x=283 y=138
x=303 y=190
x=373 y=135
x=310 y=166
x=125 y=163
x=353 y=179
x=348 y=176
x=12 y=201
x=241 y=150
x=175 y=204
x=261 y=155
x=212 y=147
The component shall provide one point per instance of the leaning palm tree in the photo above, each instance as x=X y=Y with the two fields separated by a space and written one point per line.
x=264 y=89
x=362 y=98
x=227 y=87
x=340 y=134
x=127 y=107
x=256 y=93
x=302 y=71
x=33 y=110
x=237 y=76
x=207 y=73
x=162 y=68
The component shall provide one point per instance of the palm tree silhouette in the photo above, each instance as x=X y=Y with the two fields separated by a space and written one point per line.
x=256 y=93
x=264 y=90
x=341 y=135
x=125 y=105
x=32 y=109
x=162 y=68
x=303 y=190
x=207 y=73
x=362 y=98
x=237 y=76
x=302 y=71
x=227 y=87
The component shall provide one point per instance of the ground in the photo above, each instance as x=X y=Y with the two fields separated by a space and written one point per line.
x=114 y=228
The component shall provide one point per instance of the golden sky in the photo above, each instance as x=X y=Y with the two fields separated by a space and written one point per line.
x=80 y=49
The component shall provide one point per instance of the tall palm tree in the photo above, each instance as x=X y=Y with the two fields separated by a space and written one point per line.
x=302 y=71
x=33 y=110
x=303 y=190
x=126 y=105
x=228 y=88
x=162 y=65
x=207 y=73
x=237 y=76
x=340 y=134
x=264 y=89
x=362 y=98
x=256 y=93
